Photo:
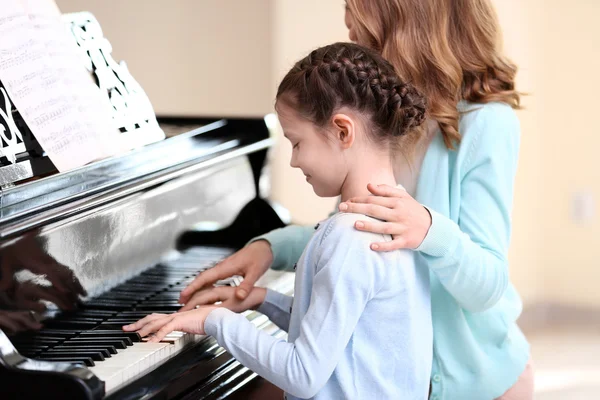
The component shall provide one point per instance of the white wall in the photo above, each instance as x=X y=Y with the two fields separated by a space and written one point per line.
x=191 y=55
x=187 y=55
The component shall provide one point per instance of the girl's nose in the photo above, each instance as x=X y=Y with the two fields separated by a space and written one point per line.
x=294 y=162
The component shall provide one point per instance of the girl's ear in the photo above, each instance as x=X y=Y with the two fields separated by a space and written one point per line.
x=344 y=130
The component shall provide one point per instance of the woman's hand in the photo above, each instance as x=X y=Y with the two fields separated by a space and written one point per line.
x=227 y=296
x=406 y=220
x=163 y=324
x=251 y=262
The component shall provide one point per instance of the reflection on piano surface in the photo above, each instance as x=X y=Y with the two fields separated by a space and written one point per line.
x=83 y=254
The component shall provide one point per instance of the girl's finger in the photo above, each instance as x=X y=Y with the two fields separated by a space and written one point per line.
x=154 y=326
x=142 y=322
x=162 y=332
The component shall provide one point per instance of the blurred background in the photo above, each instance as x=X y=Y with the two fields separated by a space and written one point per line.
x=225 y=58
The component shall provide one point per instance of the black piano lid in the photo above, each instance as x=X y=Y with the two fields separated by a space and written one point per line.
x=39 y=202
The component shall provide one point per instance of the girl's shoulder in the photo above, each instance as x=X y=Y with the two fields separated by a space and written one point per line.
x=339 y=230
x=341 y=225
x=337 y=238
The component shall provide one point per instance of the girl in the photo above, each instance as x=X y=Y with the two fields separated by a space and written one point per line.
x=463 y=170
x=357 y=328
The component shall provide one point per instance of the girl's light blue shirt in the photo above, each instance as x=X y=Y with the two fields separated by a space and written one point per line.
x=357 y=328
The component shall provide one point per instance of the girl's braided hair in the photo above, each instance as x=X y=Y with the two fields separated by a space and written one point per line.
x=352 y=76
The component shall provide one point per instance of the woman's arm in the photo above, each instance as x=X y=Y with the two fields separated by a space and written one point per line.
x=287 y=245
x=470 y=258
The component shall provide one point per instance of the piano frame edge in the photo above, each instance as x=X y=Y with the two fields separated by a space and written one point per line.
x=19 y=370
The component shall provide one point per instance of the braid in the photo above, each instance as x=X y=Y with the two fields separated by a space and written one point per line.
x=348 y=75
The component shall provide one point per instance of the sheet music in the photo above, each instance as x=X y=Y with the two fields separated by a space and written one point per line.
x=47 y=81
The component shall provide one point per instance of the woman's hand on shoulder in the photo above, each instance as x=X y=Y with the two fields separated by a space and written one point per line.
x=405 y=219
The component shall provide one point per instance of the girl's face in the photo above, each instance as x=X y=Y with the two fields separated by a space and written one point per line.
x=317 y=153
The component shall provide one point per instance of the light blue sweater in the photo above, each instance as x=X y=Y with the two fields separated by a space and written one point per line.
x=479 y=352
x=359 y=322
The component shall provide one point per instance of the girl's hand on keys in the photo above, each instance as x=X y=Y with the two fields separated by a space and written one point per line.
x=251 y=262
x=163 y=324
x=227 y=296
x=406 y=220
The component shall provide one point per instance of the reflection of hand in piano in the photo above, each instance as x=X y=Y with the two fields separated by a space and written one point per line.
x=28 y=296
x=27 y=254
x=12 y=322
x=251 y=262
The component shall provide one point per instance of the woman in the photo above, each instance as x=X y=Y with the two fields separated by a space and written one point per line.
x=462 y=171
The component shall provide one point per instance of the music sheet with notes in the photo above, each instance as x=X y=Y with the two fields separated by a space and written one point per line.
x=42 y=71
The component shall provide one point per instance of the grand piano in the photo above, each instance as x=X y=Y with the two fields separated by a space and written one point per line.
x=86 y=251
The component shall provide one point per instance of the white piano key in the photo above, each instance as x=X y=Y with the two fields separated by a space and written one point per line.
x=131 y=362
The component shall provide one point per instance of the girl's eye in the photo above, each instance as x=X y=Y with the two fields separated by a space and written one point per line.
x=296 y=146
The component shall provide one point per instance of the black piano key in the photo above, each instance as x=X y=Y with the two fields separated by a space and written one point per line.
x=88 y=320
x=23 y=349
x=89 y=313
x=31 y=355
x=138 y=289
x=79 y=350
x=37 y=338
x=94 y=355
x=106 y=350
x=160 y=279
x=116 y=343
x=133 y=313
x=98 y=339
x=159 y=301
x=81 y=325
x=166 y=296
x=176 y=290
x=85 y=360
x=63 y=333
x=109 y=305
x=159 y=309
x=35 y=344
x=130 y=298
x=113 y=326
x=133 y=336
x=121 y=321
x=148 y=287
x=37 y=341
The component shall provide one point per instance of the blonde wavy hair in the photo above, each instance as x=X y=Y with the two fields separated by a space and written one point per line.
x=449 y=49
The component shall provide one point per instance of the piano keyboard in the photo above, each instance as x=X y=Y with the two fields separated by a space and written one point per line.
x=92 y=335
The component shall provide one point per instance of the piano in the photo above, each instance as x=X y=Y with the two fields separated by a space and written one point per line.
x=86 y=251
